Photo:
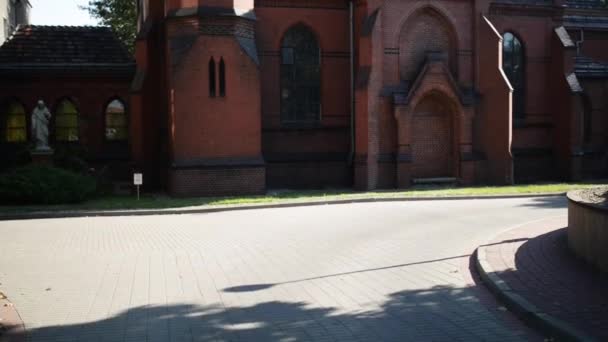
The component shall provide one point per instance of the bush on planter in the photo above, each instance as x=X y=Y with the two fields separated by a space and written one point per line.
x=36 y=184
x=71 y=157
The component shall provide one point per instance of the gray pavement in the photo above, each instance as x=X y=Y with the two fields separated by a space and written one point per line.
x=396 y=271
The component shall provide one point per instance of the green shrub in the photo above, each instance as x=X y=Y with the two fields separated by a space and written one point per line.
x=36 y=184
x=71 y=157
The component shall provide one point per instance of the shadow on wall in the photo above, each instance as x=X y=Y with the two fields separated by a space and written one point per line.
x=437 y=313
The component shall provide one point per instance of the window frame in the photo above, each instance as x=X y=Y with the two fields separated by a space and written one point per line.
x=55 y=116
x=222 y=77
x=4 y=121
x=105 y=121
x=519 y=85
x=212 y=78
x=300 y=86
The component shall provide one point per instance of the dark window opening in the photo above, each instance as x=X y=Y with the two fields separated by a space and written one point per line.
x=300 y=77
x=513 y=65
x=222 y=78
x=212 y=88
x=116 y=121
x=587 y=119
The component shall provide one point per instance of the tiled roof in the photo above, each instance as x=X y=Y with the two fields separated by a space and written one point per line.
x=65 y=48
x=587 y=67
x=584 y=3
x=580 y=21
x=525 y=2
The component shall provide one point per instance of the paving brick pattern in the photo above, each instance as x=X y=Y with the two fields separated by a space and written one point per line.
x=359 y=272
x=536 y=263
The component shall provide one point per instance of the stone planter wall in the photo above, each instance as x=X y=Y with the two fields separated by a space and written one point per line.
x=588 y=231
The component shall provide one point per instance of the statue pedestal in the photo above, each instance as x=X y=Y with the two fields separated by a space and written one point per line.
x=42 y=157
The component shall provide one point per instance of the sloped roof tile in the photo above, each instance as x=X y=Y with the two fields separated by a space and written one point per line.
x=64 y=48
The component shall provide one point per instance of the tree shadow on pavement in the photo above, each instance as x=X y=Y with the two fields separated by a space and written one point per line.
x=434 y=314
x=551 y=277
x=555 y=202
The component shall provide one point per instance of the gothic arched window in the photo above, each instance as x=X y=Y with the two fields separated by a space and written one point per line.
x=212 y=87
x=300 y=77
x=513 y=65
x=116 y=121
x=66 y=122
x=587 y=119
x=16 y=123
x=222 y=78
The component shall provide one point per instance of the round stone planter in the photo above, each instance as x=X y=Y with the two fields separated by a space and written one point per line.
x=588 y=230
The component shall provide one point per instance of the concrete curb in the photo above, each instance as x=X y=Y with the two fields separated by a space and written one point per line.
x=215 y=209
x=521 y=307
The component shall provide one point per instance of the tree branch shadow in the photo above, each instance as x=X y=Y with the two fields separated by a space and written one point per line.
x=431 y=314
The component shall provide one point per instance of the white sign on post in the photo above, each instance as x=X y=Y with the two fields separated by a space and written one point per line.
x=138 y=180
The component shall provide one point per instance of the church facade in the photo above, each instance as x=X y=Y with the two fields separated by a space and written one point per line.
x=237 y=96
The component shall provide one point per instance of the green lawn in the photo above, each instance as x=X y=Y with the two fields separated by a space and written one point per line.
x=165 y=202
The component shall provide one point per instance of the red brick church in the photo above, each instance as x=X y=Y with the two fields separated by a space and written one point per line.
x=238 y=96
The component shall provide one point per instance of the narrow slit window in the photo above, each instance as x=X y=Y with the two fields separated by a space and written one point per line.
x=513 y=66
x=587 y=119
x=222 y=78
x=212 y=86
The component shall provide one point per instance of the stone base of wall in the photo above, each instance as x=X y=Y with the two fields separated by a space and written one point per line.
x=530 y=167
x=217 y=181
x=588 y=231
x=308 y=175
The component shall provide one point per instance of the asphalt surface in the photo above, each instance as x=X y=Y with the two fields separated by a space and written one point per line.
x=396 y=271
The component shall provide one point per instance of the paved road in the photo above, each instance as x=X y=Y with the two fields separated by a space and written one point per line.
x=360 y=272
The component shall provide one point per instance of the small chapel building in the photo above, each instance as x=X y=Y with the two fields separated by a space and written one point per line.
x=227 y=97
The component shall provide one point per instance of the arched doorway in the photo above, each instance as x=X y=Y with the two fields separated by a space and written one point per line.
x=432 y=138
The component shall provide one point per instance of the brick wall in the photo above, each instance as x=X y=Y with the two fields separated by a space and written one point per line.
x=425 y=31
x=217 y=181
x=296 y=154
x=308 y=175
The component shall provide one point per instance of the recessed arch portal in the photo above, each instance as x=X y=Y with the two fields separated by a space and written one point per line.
x=432 y=137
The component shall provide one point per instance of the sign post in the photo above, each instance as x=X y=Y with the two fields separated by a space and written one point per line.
x=138 y=180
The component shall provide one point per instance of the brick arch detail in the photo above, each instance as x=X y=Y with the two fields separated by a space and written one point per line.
x=279 y=44
x=438 y=8
x=425 y=29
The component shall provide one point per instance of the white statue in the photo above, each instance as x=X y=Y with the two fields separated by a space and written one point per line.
x=41 y=118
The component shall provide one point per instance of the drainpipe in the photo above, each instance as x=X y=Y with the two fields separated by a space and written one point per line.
x=580 y=42
x=351 y=157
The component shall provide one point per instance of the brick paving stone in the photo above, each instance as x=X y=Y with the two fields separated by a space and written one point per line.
x=534 y=260
x=358 y=272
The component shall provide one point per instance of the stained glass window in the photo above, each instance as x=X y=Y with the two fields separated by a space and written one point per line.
x=300 y=77
x=16 y=123
x=66 y=122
